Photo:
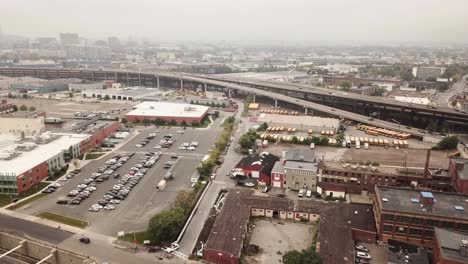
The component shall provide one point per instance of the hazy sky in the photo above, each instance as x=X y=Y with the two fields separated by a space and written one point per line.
x=315 y=21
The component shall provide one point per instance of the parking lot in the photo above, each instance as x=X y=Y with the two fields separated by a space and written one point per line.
x=144 y=200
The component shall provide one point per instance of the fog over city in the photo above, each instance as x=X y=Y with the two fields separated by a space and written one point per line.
x=244 y=21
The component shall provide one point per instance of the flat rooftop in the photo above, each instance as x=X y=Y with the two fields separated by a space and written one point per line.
x=407 y=201
x=300 y=165
x=313 y=121
x=168 y=109
x=79 y=126
x=41 y=153
x=360 y=168
x=129 y=91
x=449 y=244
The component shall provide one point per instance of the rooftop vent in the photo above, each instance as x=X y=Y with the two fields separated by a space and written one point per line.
x=301 y=166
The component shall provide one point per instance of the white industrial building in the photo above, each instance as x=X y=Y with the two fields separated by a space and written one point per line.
x=167 y=112
x=125 y=94
x=300 y=122
x=18 y=125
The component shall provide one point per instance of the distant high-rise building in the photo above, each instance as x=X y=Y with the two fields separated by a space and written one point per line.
x=67 y=39
x=85 y=52
x=100 y=43
x=47 y=42
x=114 y=42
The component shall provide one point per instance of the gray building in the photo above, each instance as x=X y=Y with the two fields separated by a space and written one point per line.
x=300 y=175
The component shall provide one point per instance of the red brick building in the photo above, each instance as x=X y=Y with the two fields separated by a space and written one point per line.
x=458 y=170
x=168 y=112
x=411 y=216
x=450 y=247
x=258 y=166
x=5 y=107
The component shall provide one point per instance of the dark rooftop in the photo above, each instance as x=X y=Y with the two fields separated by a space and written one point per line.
x=405 y=200
x=264 y=159
x=336 y=222
x=449 y=244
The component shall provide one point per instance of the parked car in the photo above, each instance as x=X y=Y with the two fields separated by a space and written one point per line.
x=62 y=201
x=85 y=240
x=361 y=248
x=363 y=255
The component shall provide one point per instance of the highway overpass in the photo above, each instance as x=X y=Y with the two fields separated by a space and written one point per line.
x=169 y=79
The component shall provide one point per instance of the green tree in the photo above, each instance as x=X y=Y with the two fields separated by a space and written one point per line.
x=340 y=137
x=247 y=141
x=124 y=120
x=106 y=97
x=184 y=123
x=448 y=143
x=216 y=114
x=212 y=104
x=15 y=108
x=223 y=105
x=23 y=108
x=308 y=256
x=263 y=127
x=195 y=124
x=345 y=86
x=173 y=122
x=32 y=108
x=165 y=226
x=379 y=91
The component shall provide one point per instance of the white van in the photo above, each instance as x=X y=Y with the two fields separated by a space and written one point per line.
x=309 y=193
x=301 y=193
x=312 y=145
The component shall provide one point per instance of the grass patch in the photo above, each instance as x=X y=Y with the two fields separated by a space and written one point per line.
x=63 y=219
x=27 y=201
x=5 y=199
x=93 y=156
x=139 y=236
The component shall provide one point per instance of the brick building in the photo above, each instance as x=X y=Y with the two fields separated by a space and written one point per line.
x=5 y=107
x=363 y=90
x=356 y=178
x=450 y=247
x=258 y=166
x=411 y=216
x=340 y=225
x=458 y=170
x=167 y=112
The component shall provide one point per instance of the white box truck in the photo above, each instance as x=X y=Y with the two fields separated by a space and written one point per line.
x=312 y=145
x=309 y=193
x=161 y=185
x=366 y=145
x=358 y=144
x=265 y=143
x=301 y=193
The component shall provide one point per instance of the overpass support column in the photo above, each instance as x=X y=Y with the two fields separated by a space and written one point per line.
x=157 y=82
x=181 y=84
x=115 y=77
x=276 y=103
x=229 y=92
x=305 y=110
x=253 y=98
x=139 y=79
x=206 y=87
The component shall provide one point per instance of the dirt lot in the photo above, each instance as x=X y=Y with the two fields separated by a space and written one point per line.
x=274 y=239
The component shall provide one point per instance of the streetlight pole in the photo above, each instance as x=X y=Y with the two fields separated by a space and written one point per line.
x=406 y=165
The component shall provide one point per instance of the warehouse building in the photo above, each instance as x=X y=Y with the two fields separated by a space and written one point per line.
x=300 y=122
x=450 y=247
x=411 y=216
x=22 y=125
x=167 y=112
x=124 y=94
x=44 y=86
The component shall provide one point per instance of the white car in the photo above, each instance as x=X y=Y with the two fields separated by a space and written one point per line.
x=194 y=143
x=181 y=148
x=191 y=148
x=114 y=201
x=138 y=145
x=173 y=247
x=93 y=209
x=97 y=206
x=157 y=147
x=109 y=207
x=363 y=255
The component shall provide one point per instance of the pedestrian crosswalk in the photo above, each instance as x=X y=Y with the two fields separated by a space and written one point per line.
x=180 y=255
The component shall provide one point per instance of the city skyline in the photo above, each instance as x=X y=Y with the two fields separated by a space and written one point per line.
x=309 y=22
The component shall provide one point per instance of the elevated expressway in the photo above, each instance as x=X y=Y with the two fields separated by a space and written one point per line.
x=169 y=79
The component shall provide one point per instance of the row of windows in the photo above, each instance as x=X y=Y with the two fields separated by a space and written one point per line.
x=412 y=231
x=299 y=172
x=357 y=175
x=429 y=222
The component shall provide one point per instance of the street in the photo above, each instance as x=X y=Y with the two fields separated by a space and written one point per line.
x=442 y=99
